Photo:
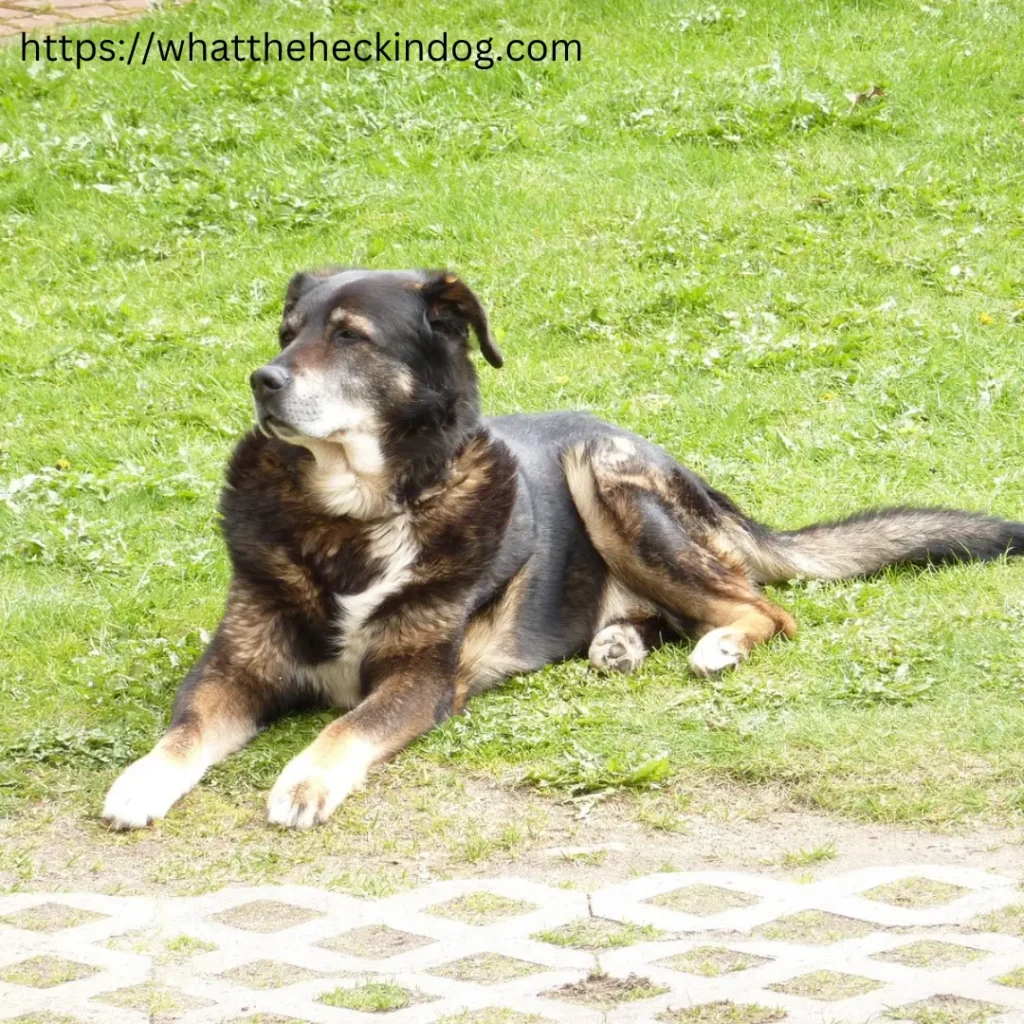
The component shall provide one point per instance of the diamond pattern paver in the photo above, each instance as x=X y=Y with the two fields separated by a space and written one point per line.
x=915 y=892
x=486 y=969
x=930 y=954
x=17 y=16
x=481 y=908
x=703 y=900
x=157 y=1002
x=268 y=974
x=266 y=916
x=45 y=972
x=711 y=961
x=508 y=951
x=946 y=1009
x=828 y=986
x=376 y=941
x=51 y=917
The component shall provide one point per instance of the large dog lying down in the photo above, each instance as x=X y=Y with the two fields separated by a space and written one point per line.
x=394 y=553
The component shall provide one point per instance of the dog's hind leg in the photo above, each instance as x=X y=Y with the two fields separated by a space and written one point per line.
x=663 y=538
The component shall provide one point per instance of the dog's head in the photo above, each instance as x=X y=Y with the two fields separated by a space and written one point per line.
x=372 y=358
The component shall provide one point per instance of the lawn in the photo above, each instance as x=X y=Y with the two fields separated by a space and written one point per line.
x=816 y=303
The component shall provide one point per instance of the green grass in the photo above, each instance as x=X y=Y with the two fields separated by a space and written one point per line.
x=692 y=232
x=370 y=997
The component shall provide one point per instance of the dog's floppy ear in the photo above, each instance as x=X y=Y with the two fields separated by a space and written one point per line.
x=302 y=282
x=449 y=299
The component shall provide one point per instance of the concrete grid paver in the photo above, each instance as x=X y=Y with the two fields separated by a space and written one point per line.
x=41 y=16
x=209 y=986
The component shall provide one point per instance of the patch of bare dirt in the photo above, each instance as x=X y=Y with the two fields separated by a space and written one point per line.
x=400 y=836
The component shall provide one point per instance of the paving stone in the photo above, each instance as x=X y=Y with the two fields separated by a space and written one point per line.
x=943 y=1009
x=45 y=972
x=376 y=941
x=92 y=12
x=814 y=927
x=711 y=961
x=265 y=916
x=486 y=969
x=604 y=992
x=51 y=917
x=477 y=935
x=598 y=933
x=269 y=974
x=160 y=1003
x=915 y=892
x=703 y=900
x=828 y=986
x=56 y=6
x=930 y=954
x=480 y=908
x=722 y=1013
x=35 y=22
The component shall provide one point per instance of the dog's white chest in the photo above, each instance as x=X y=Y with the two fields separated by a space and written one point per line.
x=392 y=553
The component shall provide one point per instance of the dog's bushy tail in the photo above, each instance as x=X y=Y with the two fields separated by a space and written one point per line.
x=869 y=541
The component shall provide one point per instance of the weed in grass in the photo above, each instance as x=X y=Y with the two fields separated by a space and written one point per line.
x=1015 y=978
x=374 y=885
x=1008 y=921
x=371 y=997
x=181 y=947
x=598 y=933
x=804 y=858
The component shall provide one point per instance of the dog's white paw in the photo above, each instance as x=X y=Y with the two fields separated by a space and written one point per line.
x=617 y=648
x=717 y=651
x=144 y=792
x=306 y=795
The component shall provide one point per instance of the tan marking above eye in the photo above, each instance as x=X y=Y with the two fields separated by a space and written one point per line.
x=293 y=321
x=341 y=317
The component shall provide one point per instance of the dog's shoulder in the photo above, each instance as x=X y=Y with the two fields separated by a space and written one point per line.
x=460 y=522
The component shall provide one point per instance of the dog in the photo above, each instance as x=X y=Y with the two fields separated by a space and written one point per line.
x=395 y=553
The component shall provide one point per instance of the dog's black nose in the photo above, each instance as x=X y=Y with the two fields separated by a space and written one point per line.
x=268 y=379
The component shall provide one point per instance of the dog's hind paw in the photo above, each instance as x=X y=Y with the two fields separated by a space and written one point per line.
x=717 y=651
x=617 y=648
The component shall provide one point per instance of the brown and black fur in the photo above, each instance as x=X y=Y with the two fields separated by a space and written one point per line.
x=394 y=553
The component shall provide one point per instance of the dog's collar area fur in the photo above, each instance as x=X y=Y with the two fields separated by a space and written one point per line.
x=379 y=497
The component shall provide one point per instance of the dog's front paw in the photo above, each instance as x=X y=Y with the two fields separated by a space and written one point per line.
x=306 y=795
x=143 y=792
x=717 y=651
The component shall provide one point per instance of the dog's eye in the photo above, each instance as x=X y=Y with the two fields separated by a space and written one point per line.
x=348 y=334
x=286 y=336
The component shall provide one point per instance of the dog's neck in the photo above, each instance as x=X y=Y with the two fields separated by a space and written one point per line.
x=362 y=476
